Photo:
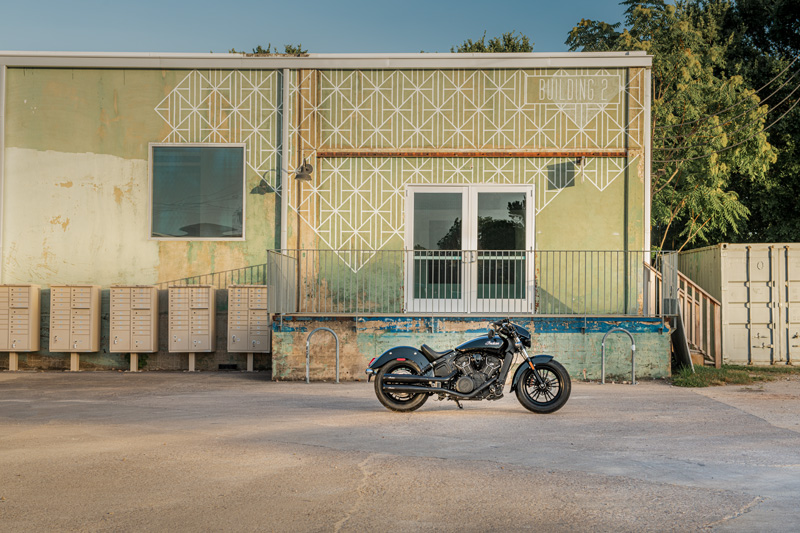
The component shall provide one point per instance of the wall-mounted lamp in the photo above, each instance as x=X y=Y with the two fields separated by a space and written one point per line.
x=304 y=171
x=579 y=161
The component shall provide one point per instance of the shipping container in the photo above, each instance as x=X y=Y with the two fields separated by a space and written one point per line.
x=758 y=286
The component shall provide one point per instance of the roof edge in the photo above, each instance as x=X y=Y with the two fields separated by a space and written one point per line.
x=324 y=61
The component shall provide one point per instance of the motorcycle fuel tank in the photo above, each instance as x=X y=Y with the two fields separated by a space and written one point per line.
x=482 y=344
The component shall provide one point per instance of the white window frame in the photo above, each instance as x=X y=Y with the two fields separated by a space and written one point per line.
x=150 y=148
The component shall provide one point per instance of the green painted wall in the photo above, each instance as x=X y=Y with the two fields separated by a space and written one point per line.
x=76 y=159
x=76 y=178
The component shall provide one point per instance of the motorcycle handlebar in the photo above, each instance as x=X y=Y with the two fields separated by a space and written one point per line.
x=502 y=325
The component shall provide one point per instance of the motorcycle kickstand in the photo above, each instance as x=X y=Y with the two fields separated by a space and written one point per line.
x=459 y=404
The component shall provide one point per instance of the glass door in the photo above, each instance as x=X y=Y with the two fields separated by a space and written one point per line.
x=437 y=259
x=470 y=249
x=502 y=237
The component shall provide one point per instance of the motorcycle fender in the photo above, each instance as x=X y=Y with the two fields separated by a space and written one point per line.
x=536 y=360
x=399 y=352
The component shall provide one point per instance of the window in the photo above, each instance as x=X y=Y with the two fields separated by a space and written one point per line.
x=197 y=191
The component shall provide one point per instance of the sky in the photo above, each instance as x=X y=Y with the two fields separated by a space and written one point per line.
x=344 y=26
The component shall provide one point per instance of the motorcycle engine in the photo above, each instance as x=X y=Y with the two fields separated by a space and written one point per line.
x=476 y=369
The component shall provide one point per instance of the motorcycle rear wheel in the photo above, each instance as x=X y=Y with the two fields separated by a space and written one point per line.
x=398 y=401
x=551 y=394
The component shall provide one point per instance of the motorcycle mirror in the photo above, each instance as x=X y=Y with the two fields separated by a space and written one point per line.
x=491 y=333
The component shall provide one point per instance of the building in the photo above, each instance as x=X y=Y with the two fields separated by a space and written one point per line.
x=445 y=189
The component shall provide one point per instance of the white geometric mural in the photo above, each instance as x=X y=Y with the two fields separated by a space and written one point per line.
x=229 y=107
x=358 y=203
x=474 y=109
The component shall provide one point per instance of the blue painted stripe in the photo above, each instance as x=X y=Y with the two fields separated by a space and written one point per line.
x=417 y=324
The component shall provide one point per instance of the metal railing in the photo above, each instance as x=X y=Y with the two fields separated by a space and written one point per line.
x=701 y=312
x=364 y=282
x=504 y=282
x=250 y=275
x=278 y=273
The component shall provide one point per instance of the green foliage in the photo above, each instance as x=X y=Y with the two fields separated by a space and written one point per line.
x=767 y=37
x=288 y=50
x=704 y=376
x=508 y=42
x=294 y=49
x=707 y=121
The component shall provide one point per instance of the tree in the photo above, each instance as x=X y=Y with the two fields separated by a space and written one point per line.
x=508 y=42
x=288 y=50
x=767 y=41
x=708 y=126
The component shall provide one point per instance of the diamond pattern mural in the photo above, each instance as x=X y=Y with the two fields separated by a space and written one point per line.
x=358 y=203
x=229 y=106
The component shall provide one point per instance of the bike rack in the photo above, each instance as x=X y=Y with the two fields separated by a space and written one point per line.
x=308 y=352
x=633 y=355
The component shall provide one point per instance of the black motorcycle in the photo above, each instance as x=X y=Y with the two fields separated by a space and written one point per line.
x=405 y=376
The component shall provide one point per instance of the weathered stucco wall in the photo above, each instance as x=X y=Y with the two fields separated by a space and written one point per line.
x=361 y=339
x=77 y=140
x=77 y=193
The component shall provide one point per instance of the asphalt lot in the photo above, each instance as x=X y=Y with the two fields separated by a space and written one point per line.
x=234 y=451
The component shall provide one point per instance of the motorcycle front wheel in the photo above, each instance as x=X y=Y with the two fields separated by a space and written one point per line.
x=398 y=401
x=548 y=395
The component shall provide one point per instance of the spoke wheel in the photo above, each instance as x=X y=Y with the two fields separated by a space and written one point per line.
x=547 y=394
x=398 y=401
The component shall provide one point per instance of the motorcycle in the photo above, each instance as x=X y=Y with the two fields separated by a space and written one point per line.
x=405 y=377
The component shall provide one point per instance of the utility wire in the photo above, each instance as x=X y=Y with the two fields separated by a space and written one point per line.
x=728 y=120
x=733 y=145
x=669 y=126
x=677 y=148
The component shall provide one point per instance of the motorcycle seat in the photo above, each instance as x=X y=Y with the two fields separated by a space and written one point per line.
x=431 y=354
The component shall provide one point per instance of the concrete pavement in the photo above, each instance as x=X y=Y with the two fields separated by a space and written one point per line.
x=208 y=451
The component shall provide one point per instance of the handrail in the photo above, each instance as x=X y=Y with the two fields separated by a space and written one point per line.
x=251 y=274
x=308 y=352
x=697 y=288
x=683 y=276
x=603 y=355
x=702 y=314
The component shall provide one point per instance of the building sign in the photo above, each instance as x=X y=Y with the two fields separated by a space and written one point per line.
x=581 y=95
x=563 y=87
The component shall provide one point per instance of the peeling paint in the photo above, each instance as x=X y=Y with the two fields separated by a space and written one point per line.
x=574 y=341
x=105 y=242
x=56 y=221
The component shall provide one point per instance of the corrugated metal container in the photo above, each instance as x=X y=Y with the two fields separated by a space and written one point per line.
x=758 y=286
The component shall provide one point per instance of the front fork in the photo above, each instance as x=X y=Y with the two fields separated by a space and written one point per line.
x=528 y=360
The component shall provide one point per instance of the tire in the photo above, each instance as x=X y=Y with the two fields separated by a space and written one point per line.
x=398 y=401
x=554 y=393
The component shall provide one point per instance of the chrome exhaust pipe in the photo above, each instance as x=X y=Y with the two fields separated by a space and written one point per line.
x=417 y=389
x=409 y=378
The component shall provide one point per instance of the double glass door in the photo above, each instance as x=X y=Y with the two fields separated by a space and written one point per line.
x=470 y=249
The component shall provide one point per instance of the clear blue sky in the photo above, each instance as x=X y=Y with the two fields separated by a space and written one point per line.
x=321 y=26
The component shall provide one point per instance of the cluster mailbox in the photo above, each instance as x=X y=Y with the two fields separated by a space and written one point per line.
x=134 y=321
x=74 y=320
x=192 y=320
x=248 y=321
x=19 y=320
